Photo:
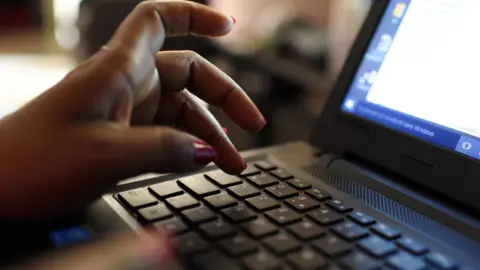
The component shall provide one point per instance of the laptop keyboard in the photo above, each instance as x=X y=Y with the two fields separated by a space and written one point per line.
x=268 y=219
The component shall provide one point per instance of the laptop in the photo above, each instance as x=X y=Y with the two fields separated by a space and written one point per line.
x=389 y=179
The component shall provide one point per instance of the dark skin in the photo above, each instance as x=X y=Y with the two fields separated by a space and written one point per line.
x=128 y=110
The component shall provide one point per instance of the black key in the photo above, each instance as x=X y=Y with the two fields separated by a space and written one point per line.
x=339 y=206
x=217 y=229
x=262 y=180
x=361 y=218
x=222 y=179
x=220 y=201
x=239 y=245
x=306 y=230
x=349 y=231
x=404 y=261
x=263 y=203
x=243 y=191
x=303 y=203
x=215 y=261
x=307 y=259
x=156 y=212
x=261 y=260
x=319 y=194
x=198 y=185
x=282 y=243
x=281 y=191
x=182 y=202
x=259 y=228
x=377 y=246
x=239 y=213
x=385 y=231
x=250 y=170
x=441 y=261
x=166 y=189
x=137 y=198
x=412 y=245
x=199 y=215
x=360 y=261
x=332 y=246
x=283 y=216
x=281 y=174
x=325 y=216
x=173 y=225
x=191 y=244
x=264 y=165
x=299 y=184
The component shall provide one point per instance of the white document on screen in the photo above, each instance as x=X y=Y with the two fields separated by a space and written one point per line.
x=432 y=70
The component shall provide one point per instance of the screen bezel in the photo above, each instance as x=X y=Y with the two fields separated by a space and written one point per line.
x=433 y=167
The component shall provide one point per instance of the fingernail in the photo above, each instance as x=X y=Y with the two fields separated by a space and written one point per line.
x=225 y=129
x=264 y=120
x=204 y=155
x=200 y=143
x=234 y=20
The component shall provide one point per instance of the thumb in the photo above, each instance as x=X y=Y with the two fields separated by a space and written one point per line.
x=137 y=150
x=150 y=251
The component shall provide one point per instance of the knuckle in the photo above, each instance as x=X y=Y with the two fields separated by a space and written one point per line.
x=148 y=11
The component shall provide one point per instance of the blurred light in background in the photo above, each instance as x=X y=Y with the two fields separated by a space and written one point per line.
x=65 y=16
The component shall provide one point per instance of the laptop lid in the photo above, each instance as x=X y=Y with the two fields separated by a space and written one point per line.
x=408 y=98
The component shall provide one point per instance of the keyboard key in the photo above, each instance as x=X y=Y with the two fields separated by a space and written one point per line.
x=182 y=202
x=166 y=189
x=404 y=261
x=319 y=194
x=361 y=218
x=349 y=231
x=281 y=191
x=153 y=213
x=214 y=261
x=191 y=243
x=262 y=180
x=137 y=198
x=360 y=261
x=299 y=184
x=173 y=225
x=259 y=228
x=307 y=259
x=239 y=213
x=412 y=246
x=217 y=229
x=282 y=243
x=198 y=186
x=238 y=245
x=302 y=203
x=250 y=170
x=332 y=246
x=263 y=203
x=281 y=174
x=243 y=191
x=283 y=216
x=199 y=215
x=339 y=206
x=261 y=260
x=325 y=216
x=385 y=231
x=306 y=230
x=222 y=179
x=264 y=165
x=441 y=261
x=220 y=201
x=377 y=246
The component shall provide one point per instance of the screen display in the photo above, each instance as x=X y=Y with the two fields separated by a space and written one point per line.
x=420 y=73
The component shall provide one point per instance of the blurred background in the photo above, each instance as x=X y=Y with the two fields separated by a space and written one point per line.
x=285 y=53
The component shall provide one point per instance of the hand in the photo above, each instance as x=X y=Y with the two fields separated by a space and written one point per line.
x=122 y=113
x=149 y=251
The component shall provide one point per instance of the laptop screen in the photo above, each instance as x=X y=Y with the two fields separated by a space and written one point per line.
x=420 y=74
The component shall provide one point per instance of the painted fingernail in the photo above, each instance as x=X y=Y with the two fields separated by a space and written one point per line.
x=225 y=129
x=234 y=20
x=204 y=155
x=264 y=120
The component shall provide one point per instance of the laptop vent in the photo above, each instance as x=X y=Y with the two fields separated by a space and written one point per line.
x=373 y=199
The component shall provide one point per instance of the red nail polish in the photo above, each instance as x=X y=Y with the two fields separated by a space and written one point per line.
x=204 y=155
x=234 y=20
x=225 y=129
